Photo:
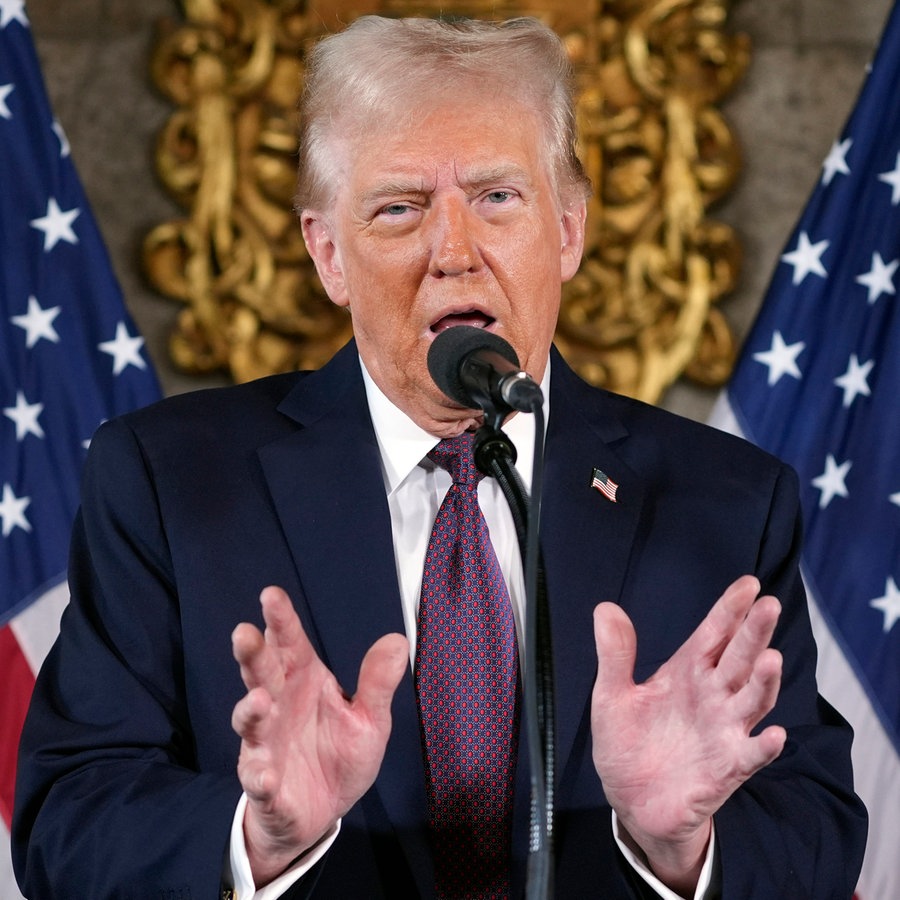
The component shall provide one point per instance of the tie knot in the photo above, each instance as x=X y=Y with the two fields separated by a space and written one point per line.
x=455 y=455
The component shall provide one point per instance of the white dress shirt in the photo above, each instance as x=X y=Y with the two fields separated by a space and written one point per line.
x=415 y=488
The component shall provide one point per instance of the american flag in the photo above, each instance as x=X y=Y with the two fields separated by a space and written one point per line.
x=604 y=484
x=818 y=384
x=70 y=357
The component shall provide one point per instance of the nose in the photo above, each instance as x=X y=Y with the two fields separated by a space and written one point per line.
x=454 y=242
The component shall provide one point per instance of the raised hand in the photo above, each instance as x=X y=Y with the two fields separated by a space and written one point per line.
x=308 y=751
x=672 y=750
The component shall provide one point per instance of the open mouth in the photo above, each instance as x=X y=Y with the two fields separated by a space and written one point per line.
x=472 y=317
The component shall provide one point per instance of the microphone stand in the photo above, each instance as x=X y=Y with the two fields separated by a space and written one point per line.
x=495 y=455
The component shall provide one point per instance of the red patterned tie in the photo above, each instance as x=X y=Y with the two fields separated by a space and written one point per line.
x=467 y=670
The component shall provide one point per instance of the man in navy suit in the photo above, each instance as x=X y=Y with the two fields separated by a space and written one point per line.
x=438 y=186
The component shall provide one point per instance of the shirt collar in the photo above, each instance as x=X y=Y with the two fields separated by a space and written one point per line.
x=403 y=444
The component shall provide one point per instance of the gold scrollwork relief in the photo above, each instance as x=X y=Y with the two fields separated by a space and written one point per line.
x=642 y=309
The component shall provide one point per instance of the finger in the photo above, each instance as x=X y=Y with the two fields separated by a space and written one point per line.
x=262 y=657
x=379 y=674
x=757 y=699
x=251 y=716
x=723 y=620
x=257 y=663
x=762 y=750
x=252 y=721
x=616 y=645
x=738 y=659
x=259 y=780
x=282 y=623
x=284 y=630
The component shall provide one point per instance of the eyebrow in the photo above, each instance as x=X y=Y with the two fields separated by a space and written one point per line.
x=478 y=180
x=505 y=172
x=392 y=188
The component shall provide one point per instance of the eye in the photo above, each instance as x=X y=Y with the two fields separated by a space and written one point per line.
x=395 y=209
x=498 y=196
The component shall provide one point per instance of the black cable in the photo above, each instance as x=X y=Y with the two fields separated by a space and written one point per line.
x=495 y=455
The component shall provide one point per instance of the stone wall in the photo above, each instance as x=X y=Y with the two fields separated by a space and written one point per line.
x=808 y=62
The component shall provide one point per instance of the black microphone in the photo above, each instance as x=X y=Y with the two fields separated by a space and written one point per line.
x=481 y=371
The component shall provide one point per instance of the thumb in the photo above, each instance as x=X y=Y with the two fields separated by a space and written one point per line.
x=380 y=673
x=616 y=644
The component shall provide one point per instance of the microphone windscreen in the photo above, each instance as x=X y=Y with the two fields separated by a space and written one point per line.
x=451 y=347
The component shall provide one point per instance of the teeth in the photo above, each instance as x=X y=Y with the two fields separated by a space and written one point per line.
x=471 y=318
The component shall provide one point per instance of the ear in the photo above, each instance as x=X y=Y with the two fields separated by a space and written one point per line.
x=318 y=233
x=571 y=228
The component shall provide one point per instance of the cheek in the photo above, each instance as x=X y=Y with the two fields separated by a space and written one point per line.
x=390 y=273
x=381 y=312
x=539 y=292
x=539 y=277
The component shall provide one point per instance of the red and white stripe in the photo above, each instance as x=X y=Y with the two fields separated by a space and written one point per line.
x=24 y=643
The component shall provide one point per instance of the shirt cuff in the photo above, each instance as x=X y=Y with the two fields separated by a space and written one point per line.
x=241 y=878
x=704 y=884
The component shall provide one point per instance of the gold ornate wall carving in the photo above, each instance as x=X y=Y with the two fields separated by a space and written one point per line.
x=643 y=308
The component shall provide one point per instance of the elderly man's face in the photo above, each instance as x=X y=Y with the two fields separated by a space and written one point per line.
x=452 y=219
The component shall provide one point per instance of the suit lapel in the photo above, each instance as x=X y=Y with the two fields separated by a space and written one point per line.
x=327 y=485
x=328 y=489
x=587 y=539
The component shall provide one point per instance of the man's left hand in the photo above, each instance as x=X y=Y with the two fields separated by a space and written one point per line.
x=672 y=750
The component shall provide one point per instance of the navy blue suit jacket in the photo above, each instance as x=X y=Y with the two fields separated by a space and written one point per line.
x=127 y=781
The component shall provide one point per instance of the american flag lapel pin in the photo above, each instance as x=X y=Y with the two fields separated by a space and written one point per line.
x=604 y=484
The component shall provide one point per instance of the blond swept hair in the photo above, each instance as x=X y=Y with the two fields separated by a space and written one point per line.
x=374 y=70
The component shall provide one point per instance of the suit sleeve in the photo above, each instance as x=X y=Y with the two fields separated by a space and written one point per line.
x=111 y=800
x=795 y=829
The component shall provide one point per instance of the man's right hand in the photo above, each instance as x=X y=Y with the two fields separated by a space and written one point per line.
x=308 y=751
